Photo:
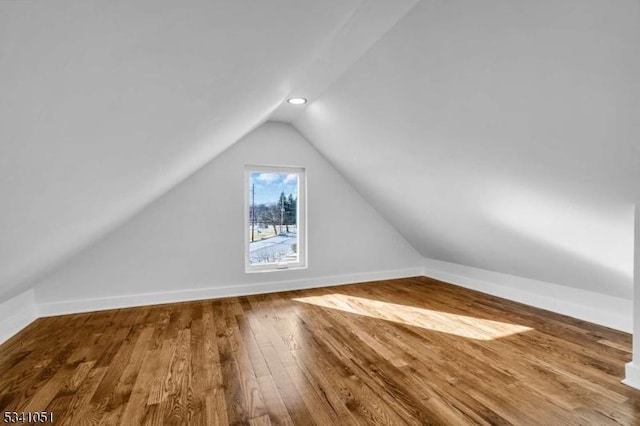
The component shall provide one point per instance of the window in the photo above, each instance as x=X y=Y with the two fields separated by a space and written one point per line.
x=274 y=218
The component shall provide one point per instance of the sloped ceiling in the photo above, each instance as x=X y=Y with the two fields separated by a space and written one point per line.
x=503 y=135
x=105 y=106
x=496 y=134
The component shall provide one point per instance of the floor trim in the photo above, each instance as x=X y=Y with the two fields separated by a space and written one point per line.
x=128 y=301
x=631 y=375
x=613 y=312
x=597 y=308
x=17 y=313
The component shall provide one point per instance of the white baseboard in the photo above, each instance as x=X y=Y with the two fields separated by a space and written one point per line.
x=17 y=313
x=609 y=311
x=128 y=301
x=613 y=312
x=632 y=375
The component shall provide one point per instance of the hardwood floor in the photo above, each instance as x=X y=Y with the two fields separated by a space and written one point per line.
x=410 y=351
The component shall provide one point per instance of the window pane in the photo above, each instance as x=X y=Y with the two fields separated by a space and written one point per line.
x=273 y=218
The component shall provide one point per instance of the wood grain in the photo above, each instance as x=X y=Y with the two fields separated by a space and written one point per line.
x=409 y=351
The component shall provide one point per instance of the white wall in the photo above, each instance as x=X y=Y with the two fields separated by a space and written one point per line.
x=191 y=240
x=106 y=105
x=499 y=134
x=632 y=370
x=636 y=290
x=595 y=307
x=16 y=313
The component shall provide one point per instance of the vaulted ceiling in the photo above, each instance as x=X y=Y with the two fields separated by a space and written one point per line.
x=497 y=134
x=104 y=106
x=503 y=135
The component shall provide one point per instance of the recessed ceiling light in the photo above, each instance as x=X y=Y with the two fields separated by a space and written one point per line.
x=297 y=101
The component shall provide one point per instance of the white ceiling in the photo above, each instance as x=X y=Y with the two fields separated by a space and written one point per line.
x=104 y=106
x=499 y=134
x=496 y=134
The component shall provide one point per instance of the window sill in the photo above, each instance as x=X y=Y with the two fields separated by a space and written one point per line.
x=274 y=269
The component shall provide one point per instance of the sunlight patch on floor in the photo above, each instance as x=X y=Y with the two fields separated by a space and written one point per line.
x=444 y=322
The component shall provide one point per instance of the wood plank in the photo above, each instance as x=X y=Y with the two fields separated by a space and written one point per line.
x=409 y=351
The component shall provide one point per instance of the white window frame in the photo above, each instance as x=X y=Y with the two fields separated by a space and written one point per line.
x=301 y=220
